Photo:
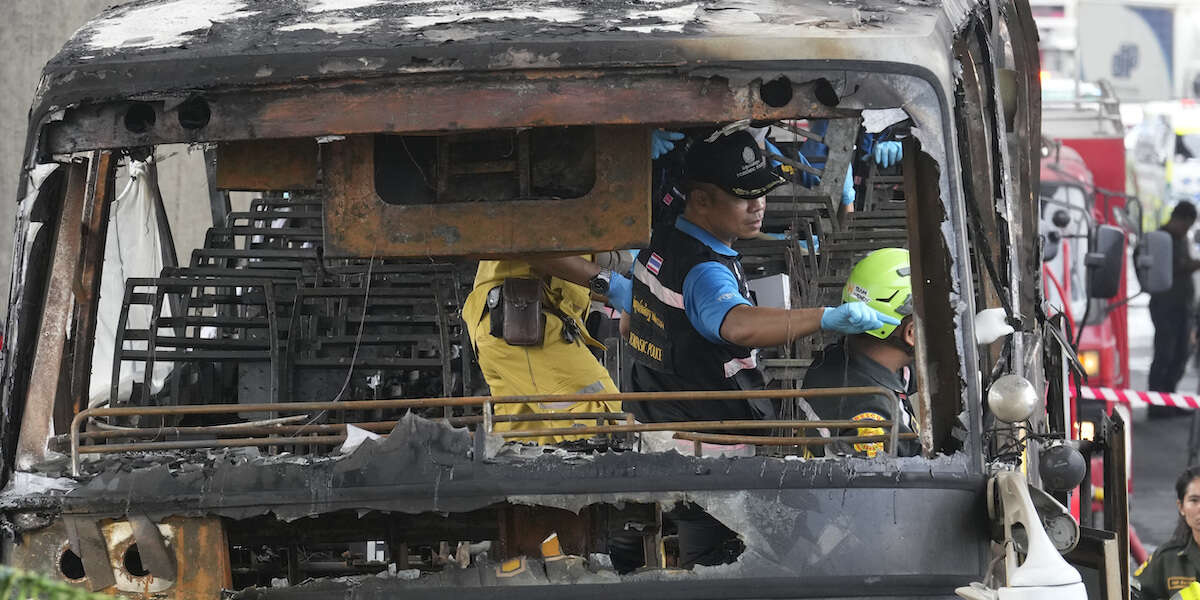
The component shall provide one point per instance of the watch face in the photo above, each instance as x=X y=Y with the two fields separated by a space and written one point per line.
x=599 y=283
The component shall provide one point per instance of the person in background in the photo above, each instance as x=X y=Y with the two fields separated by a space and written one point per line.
x=1175 y=306
x=1175 y=565
x=877 y=358
x=877 y=147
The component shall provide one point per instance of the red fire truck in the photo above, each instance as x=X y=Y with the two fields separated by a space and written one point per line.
x=1083 y=185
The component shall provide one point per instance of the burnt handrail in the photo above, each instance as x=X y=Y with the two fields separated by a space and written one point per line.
x=485 y=401
x=372 y=426
x=695 y=426
x=762 y=440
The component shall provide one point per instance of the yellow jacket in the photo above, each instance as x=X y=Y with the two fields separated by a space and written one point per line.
x=556 y=367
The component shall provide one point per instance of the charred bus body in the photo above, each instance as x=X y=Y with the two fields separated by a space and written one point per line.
x=191 y=434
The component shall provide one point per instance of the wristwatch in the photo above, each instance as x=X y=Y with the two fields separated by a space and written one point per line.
x=599 y=282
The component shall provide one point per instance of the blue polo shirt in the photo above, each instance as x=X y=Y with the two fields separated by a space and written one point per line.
x=710 y=290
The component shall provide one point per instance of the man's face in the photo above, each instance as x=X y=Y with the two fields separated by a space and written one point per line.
x=736 y=217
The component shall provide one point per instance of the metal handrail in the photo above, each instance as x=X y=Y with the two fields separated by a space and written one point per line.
x=487 y=402
x=696 y=426
x=760 y=440
x=372 y=426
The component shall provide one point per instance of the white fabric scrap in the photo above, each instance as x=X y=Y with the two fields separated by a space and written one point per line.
x=355 y=436
x=133 y=248
x=991 y=325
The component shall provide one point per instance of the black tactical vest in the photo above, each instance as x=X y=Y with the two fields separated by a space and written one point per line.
x=670 y=355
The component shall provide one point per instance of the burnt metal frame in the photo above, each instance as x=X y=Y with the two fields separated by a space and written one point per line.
x=359 y=223
x=42 y=392
x=612 y=96
x=165 y=286
x=102 y=185
x=713 y=112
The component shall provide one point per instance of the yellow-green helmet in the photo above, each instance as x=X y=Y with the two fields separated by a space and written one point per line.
x=883 y=280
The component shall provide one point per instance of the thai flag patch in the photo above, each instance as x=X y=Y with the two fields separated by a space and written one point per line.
x=654 y=263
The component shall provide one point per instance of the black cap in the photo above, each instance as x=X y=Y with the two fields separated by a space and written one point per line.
x=734 y=163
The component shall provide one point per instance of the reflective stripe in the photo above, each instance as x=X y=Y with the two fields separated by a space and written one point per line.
x=669 y=297
x=1191 y=592
x=737 y=364
x=592 y=388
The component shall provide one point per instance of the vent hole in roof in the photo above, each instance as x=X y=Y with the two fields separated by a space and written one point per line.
x=824 y=92
x=777 y=92
x=70 y=565
x=194 y=113
x=140 y=118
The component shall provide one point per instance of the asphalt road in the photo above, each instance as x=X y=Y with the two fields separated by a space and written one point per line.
x=1159 y=445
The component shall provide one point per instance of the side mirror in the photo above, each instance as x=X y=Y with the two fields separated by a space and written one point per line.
x=1153 y=261
x=1106 y=262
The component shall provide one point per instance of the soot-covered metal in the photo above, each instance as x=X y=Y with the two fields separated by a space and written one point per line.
x=793 y=516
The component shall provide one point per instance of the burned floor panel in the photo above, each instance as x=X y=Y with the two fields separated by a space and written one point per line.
x=422 y=484
x=427 y=466
x=662 y=585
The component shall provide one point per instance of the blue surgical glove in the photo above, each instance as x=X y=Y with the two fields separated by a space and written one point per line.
x=854 y=317
x=662 y=142
x=620 y=293
x=848 y=187
x=887 y=154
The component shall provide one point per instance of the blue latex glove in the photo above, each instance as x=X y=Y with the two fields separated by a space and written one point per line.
x=848 y=187
x=854 y=317
x=620 y=293
x=887 y=154
x=662 y=142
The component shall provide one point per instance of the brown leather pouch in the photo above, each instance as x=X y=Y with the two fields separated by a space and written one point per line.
x=524 y=321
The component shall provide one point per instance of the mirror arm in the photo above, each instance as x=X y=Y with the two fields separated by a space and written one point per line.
x=1108 y=308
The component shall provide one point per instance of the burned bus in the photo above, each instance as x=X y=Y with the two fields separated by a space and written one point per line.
x=260 y=385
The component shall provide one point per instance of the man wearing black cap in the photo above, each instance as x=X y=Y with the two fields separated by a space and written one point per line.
x=692 y=326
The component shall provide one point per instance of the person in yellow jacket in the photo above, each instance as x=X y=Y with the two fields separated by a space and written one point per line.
x=563 y=363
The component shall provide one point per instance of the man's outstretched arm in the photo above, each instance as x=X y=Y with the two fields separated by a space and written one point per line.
x=760 y=326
